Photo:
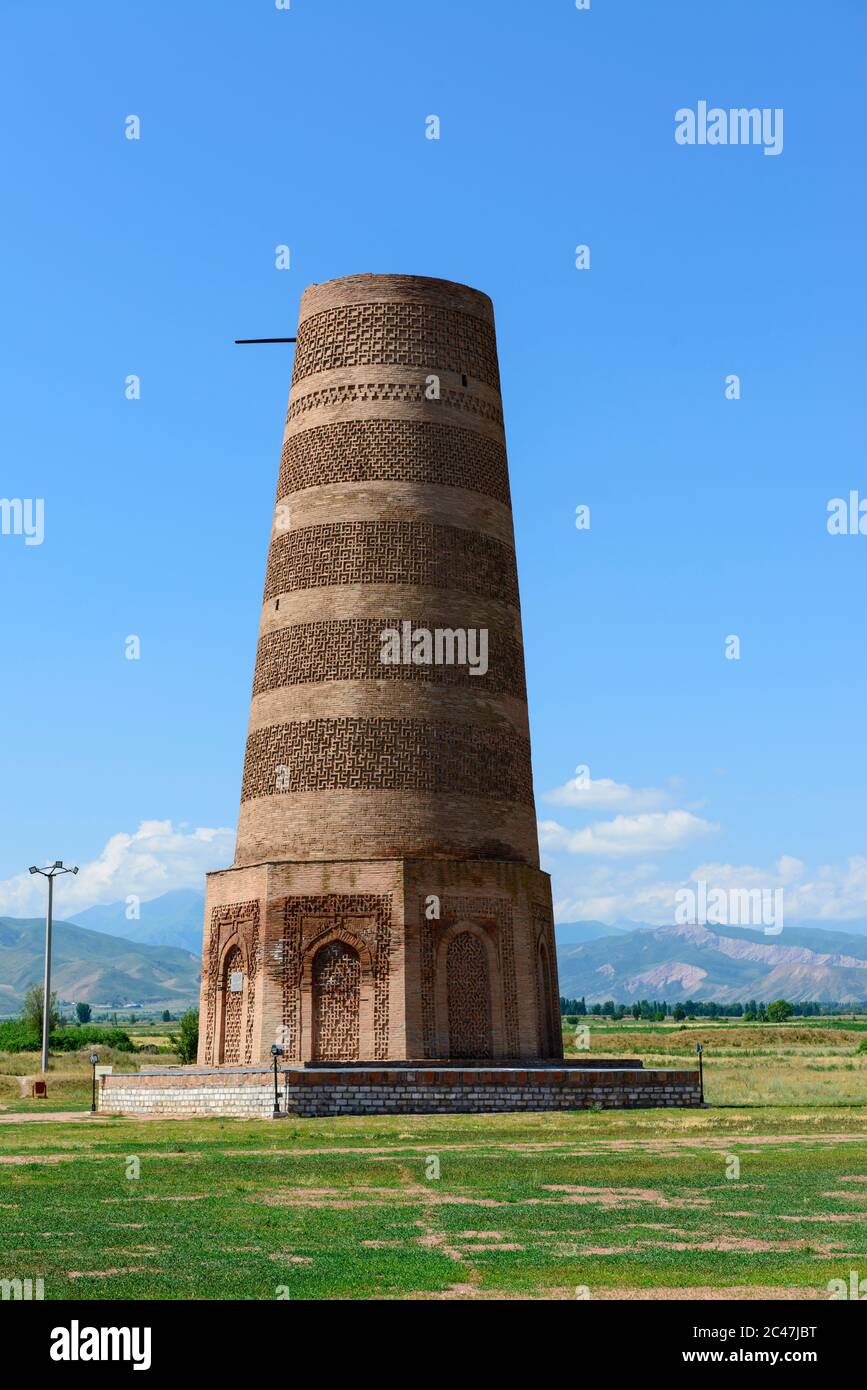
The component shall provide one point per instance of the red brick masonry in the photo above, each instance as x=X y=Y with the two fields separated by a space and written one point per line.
x=371 y=1090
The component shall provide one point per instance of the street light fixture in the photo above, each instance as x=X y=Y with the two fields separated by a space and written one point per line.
x=94 y=1058
x=276 y=1051
x=50 y=872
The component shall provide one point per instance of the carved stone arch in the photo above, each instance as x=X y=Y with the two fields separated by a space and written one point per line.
x=452 y=996
x=335 y=932
x=337 y=997
x=232 y=1005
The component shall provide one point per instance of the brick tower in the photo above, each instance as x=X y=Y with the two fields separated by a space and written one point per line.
x=386 y=901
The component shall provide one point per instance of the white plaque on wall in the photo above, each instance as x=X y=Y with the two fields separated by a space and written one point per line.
x=236 y=981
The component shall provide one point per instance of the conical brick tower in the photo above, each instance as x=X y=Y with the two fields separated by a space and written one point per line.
x=386 y=901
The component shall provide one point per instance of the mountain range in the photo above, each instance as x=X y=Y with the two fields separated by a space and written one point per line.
x=726 y=964
x=102 y=956
x=93 y=967
x=173 y=919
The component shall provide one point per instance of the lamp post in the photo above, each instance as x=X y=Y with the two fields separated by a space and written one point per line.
x=700 y=1073
x=94 y=1058
x=50 y=872
x=276 y=1051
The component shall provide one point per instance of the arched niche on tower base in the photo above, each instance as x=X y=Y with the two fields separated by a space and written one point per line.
x=358 y=1001
x=455 y=995
x=230 y=1023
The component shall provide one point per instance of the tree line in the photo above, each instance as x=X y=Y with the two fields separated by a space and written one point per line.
x=750 y=1011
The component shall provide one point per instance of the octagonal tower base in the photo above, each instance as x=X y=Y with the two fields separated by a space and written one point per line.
x=379 y=960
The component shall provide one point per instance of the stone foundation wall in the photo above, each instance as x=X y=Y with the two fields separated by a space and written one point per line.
x=239 y=1091
x=249 y=1092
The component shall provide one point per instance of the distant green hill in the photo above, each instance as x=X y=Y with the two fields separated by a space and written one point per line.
x=93 y=967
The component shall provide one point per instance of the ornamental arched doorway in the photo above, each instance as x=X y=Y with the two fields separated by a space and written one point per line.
x=468 y=984
x=336 y=1003
x=233 y=1008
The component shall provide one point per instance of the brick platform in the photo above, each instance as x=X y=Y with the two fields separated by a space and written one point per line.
x=372 y=1090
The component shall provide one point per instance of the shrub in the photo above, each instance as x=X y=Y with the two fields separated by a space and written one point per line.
x=186 y=1043
x=72 y=1039
x=779 y=1011
x=16 y=1036
x=31 y=1012
x=19 y=1037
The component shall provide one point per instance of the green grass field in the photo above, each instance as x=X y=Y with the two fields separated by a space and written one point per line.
x=624 y=1204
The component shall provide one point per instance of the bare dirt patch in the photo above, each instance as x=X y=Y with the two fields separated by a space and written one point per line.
x=153 y=1197
x=827 y=1216
x=621 y=1196
x=59 y=1117
x=21 y=1159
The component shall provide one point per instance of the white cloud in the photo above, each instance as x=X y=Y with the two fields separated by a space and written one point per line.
x=604 y=794
x=646 y=834
x=832 y=893
x=155 y=858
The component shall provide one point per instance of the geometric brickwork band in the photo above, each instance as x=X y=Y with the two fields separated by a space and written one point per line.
x=393 y=392
x=411 y=335
x=348 y=754
x=391 y=552
x=344 y=649
x=413 y=451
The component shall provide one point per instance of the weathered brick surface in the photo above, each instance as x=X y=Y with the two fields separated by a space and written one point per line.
x=394 y=451
x=351 y=649
x=407 y=333
x=414 y=555
x=444 y=759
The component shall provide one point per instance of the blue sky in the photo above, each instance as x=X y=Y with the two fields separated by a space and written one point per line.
x=708 y=516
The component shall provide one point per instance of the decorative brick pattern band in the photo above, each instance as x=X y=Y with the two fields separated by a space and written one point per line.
x=410 y=335
x=404 y=392
x=411 y=451
x=391 y=552
x=387 y=755
x=345 y=649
